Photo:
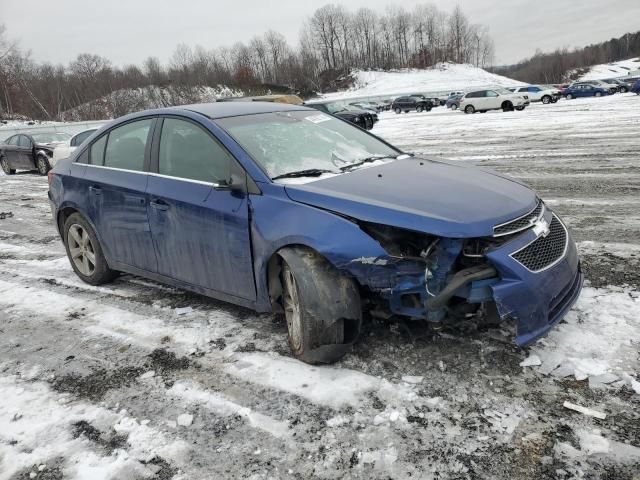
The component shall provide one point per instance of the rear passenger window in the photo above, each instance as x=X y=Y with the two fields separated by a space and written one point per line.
x=24 y=142
x=97 y=151
x=126 y=146
x=187 y=151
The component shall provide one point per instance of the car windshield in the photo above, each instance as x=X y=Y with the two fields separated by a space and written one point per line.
x=50 y=137
x=298 y=141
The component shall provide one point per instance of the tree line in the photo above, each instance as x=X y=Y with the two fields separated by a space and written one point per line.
x=333 y=41
x=564 y=65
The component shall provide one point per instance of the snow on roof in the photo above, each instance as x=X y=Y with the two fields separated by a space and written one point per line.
x=444 y=77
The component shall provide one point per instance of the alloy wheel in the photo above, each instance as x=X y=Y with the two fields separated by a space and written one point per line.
x=42 y=165
x=81 y=250
x=292 y=310
x=5 y=166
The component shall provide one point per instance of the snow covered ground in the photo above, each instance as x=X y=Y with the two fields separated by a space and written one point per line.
x=124 y=381
x=621 y=68
x=441 y=78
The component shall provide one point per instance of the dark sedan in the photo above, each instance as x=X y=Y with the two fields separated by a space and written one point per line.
x=411 y=103
x=290 y=210
x=30 y=151
x=361 y=118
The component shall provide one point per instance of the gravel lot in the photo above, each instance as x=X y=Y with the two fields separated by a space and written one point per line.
x=111 y=382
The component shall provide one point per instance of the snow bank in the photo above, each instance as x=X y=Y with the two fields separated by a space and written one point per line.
x=443 y=77
x=612 y=70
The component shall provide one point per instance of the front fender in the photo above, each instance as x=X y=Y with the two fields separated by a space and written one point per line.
x=278 y=221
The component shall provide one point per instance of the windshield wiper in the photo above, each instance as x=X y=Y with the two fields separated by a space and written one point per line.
x=362 y=161
x=311 y=172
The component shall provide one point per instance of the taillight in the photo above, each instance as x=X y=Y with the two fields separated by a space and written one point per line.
x=50 y=176
x=461 y=100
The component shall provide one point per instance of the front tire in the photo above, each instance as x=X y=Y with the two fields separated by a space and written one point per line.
x=322 y=308
x=569 y=96
x=598 y=94
x=419 y=109
x=507 y=107
x=43 y=165
x=5 y=167
x=85 y=253
x=398 y=111
x=546 y=99
x=519 y=108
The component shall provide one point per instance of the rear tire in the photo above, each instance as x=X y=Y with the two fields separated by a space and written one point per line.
x=569 y=96
x=507 y=107
x=307 y=281
x=598 y=94
x=84 y=252
x=519 y=108
x=469 y=109
x=5 y=167
x=42 y=163
x=419 y=109
x=624 y=89
x=454 y=106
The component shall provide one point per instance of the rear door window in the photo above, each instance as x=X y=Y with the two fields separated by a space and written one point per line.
x=188 y=151
x=127 y=144
x=24 y=142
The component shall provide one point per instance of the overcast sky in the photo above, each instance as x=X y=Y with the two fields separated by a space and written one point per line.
x=128 y=31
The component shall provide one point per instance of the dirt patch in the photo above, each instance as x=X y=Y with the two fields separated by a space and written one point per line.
x=109 y=441
x=95 y=385
x=165 y=361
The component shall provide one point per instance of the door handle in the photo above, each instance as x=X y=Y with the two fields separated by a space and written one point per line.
x=159 y=205
x=95 y=190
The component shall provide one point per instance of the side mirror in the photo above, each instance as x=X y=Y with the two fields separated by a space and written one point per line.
x=235 y=183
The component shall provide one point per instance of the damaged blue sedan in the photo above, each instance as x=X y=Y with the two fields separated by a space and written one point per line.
x=285 y=209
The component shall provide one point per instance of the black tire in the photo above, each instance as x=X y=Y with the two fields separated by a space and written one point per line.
x=5 y=167
x=598 y=94
x=398 y=110
x=519 y=108
x=101 y=272
x=554 y=100
x=507 y=107
x=419 y=109
x=483 y=111
x=624 y=89
x=429 y=109
x=569 y=96
x=546 y=99
x=322 y=308
x=407 y=111
x=42 y=164
x=469 y=109
x=454 y=106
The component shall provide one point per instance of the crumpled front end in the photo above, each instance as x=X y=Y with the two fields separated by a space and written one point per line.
x=529 y=270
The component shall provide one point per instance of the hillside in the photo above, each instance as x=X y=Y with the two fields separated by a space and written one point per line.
x=610 y=70
x=122 y=102
x=440 y=78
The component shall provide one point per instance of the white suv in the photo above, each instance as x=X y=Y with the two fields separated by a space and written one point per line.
x=493 y=99
x=538 y=93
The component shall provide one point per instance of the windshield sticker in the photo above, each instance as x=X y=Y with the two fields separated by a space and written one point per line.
x=319 y=118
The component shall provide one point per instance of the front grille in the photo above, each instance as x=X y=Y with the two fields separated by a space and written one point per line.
x=544 y=252
x=520 y=223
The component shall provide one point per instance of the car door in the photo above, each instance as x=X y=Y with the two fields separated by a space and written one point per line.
x=25 y=153
x=200 y=228
x=533 y=93
x=116 y=181
x=11 y=151
x=491 y=100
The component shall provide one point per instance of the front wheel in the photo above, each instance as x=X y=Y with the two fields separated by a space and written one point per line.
x=5 y=167
x=321 y=307
x=469 y=109
x=398 y=110
x=519 y=108
x=546 y=99
x=569 y=96
x=42 y=163
x=598 y=94
x=624 y=90
x=419 y=109
x=85 y=253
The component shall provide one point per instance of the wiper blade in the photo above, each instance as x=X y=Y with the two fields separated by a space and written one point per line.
x=311 y=172
x=363 y=161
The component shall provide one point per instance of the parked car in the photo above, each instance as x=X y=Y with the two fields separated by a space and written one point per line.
x=356 y=116
x=63 y=150
x=373 y=114
x=538 y=93
x=453 y=102
x=408 y=103
x=30 y=151
x=493 y=99
x=578 y=90
x=623 y=87
x=599 y=84
x=373 y=107
x=286 y=209
x=435 y=102
x=636 y=87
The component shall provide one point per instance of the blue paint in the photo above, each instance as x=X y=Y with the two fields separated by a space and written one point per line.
x=219 y=242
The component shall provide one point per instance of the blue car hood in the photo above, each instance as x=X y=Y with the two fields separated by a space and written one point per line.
x=427 y=196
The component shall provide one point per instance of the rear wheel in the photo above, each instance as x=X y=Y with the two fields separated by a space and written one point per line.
x=5 y=167
x=42 y=163
x=507 y=107
x=569 y=96
x=598 y=94
x=84 y=252
x=419 y=109
x=519 y=108
x=454 y=106
x=469 y=109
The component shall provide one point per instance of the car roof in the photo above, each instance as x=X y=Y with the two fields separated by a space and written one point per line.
x=234 y=109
